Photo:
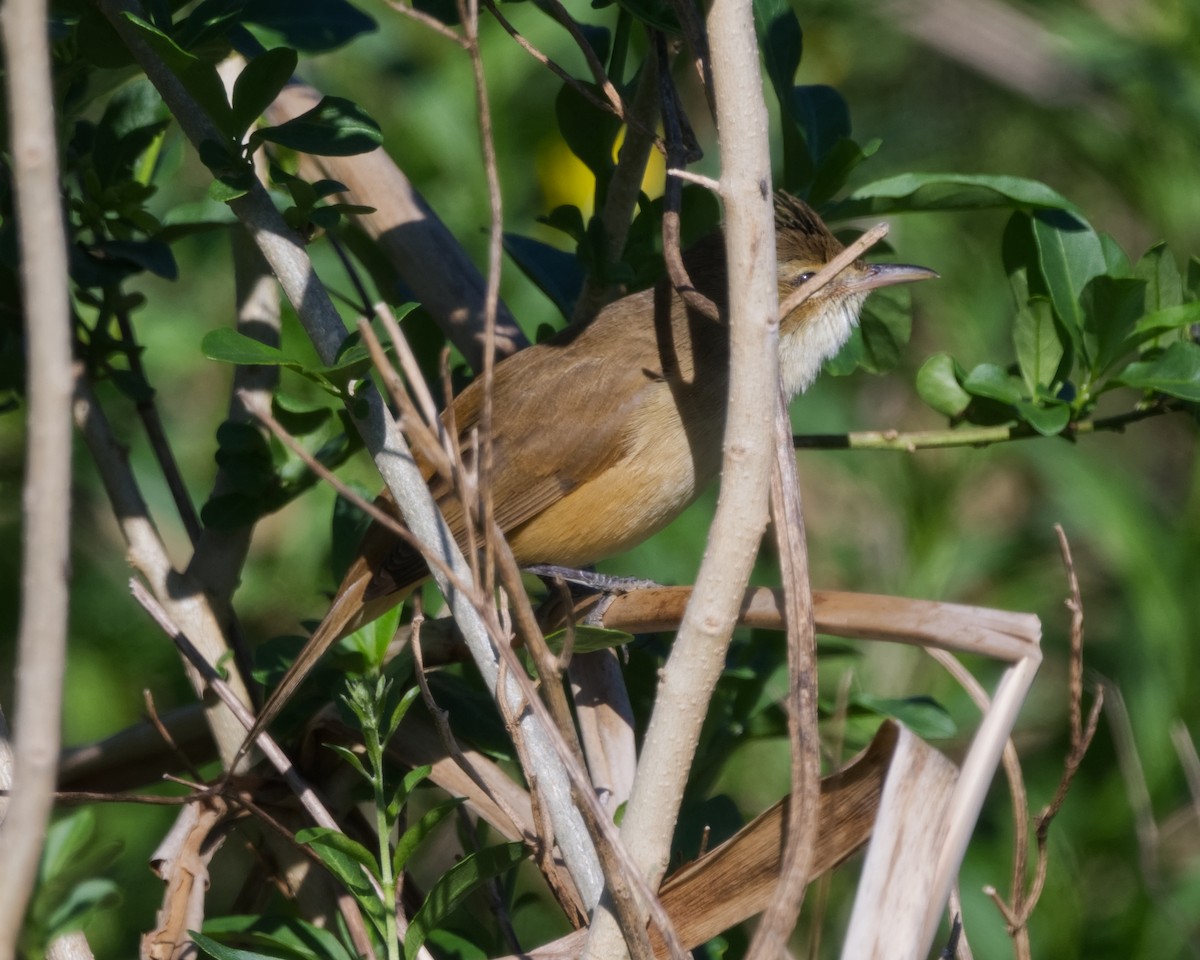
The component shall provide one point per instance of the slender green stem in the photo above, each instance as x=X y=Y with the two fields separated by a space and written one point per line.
x=971 y=436
x=383 y=831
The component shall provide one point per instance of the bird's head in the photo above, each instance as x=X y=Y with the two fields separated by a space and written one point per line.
x=816 y=329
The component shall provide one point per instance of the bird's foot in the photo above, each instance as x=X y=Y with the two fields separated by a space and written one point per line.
x=608 y=586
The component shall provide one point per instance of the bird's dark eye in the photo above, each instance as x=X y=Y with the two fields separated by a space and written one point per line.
x=803 y=277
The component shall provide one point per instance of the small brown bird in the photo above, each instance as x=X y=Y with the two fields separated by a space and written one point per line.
x=603 y=434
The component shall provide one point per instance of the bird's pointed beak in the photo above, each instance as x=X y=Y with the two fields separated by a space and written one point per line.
x=886 y=274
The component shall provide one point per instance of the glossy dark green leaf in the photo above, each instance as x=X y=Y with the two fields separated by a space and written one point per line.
x=654 y=13
x=886 y=324
x=153 y=256
x=589 y=131
x=1048 y=419
x=348 y=525
x=994 y=383
x=259 y=84
x=1163 y=321
x=1164 y=283
x=824 y=117
x=938 y=386
x=1193 y=277
x=1111 y=308
x=949 y=191
x=839 y=162
x=781 y=42
x=299 y=417
x=198 y=76
x=229 y=346
x=1116 y=263
x=1070 y=255
x=335 y=127
x=556 y=273
x=1039 y=349
x=1175 y=372
x=455 y=885
x=313 y=26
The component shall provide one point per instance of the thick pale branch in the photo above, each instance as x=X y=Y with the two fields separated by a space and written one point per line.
x=698 y=654
x=47 y=486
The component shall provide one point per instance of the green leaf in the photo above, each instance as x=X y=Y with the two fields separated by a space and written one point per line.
x=414 y=835
x=1070 y=255
x=556 y=273
x=455 y=885
x=221 y=952
x=313 y=26
x=293 y=937
x=84 y=899
x=1049 y=419
x=654 y=13
x=938 y=385
x=994 y=383
x=886 y=324
x=948 y=191
x=1039 y=349
x=348 y=525
x=924 y=716
x=1193 y=277
x=588 y=131
x=782 y=44
x=1164 y=284
x=351 y=758
x=824 y=117
x=411 y=781
x=371 y=640
x=1111 y=308
x=345 y=858
x=1175 y=372
x=400 y=710
x=1116 y=264
x=835 y=170
x=335 y=127
x=1163 y=321
x=229 y=346
x=259 y=83
x=199 y=77
x=588 y=639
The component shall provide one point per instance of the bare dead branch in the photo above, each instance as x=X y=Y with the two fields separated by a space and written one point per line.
x=779 y=919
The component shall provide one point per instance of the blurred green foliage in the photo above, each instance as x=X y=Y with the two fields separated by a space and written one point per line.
x=1102 y=105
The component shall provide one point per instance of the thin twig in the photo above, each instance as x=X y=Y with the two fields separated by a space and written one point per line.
x=677 y=156
x=152 y=423
x=564 y=19
x=427 y=20
x=828 y=273
x=708 y=183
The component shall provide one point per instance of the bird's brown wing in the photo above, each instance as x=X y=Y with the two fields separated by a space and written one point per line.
x=538 y=456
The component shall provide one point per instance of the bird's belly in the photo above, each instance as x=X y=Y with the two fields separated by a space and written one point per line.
x=618 y=508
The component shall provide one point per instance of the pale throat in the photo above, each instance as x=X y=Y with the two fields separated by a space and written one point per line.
x=804 y=347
